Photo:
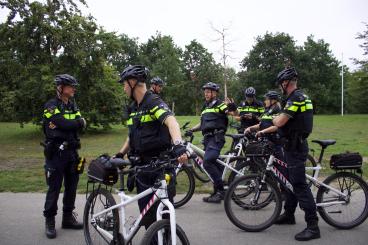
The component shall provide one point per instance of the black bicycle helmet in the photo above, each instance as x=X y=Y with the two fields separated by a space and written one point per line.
x=286 y=74
x=138 y=72
x=66 y=79
x=250 y=92
x=211 y=86
x=273 y=95
x=157 y=81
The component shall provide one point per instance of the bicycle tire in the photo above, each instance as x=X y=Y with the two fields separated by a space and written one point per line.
x=325 y=214
x=254 y=178
x=150 y=235
x=310 y=162
x=185 y=174
x=199 y=173
x=107 y=200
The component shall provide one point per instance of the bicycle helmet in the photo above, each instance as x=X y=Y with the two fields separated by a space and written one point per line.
x=138 y=72
x=286 y=74
x=211 y=86
x=66 y=79
x=273 y=95
x=157 y=81
x=250 y=92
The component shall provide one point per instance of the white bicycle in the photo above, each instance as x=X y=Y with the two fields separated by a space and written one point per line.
x=105 y=221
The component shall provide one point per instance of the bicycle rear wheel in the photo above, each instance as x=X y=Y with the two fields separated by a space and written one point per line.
x=185 y=186
x=310 y=163
x=353 y=210
x=243 y=199
x=164 y=226
x=98 y=201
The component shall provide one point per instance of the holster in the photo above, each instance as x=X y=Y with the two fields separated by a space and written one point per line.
x=81 y=161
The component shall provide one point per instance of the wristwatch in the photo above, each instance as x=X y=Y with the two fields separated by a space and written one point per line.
x=177 y=142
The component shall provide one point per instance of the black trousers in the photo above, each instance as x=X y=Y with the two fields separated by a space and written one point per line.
x=212 y=146
x=302 y=194
x=62 y=166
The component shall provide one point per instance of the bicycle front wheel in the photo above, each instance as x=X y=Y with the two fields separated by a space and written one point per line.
x=341 y=212
x=98 y=201
x=198 y=172
x=163 y=226
x=244 y=203
x=185 y=186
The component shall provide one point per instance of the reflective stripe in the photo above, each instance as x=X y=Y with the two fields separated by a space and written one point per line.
x=47 y=113
x=266 y=117
x=261 y=109
x=215 y=110
x=223 y=107
x=293 y=108
x=129 y=121
x=309 y=106
x=248 y=109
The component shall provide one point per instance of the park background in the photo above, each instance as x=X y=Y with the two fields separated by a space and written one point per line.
x=39 y=39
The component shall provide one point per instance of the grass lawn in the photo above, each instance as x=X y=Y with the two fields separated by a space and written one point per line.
x=21 y=157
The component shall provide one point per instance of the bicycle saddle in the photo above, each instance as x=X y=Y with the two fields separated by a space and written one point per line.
x=119 y=163
x=324 y=143
x=235 y=136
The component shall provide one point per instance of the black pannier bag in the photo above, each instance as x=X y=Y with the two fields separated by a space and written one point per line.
x=100 y=170
x=348 y=160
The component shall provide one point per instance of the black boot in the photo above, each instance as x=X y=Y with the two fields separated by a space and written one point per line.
x=285 y=219
x=215 y=198
x=50 y=227
x=309 y=233
x=70 y=221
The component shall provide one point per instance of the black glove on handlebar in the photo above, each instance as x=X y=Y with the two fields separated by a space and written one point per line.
x=119 y=155
x=179 y=150
x=231 y=106
x=188 y=133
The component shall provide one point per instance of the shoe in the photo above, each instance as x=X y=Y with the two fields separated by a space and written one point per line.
x=308 y=233
x=50 y=227
x=215 y=198
x=70 y=222
x=285 y=219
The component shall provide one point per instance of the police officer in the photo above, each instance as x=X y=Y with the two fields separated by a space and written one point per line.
x=156 y=85
x=296 y=122
x=152 y=130
x=213 y=125
x=249 y=110
x=61 y=122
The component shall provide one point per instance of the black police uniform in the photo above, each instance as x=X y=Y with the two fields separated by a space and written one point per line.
x=255 y=108
x=61 y=154
x=148 y=137
x=214 y=123
x=296 y=131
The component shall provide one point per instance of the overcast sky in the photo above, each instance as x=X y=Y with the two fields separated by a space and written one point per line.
x=335 y=21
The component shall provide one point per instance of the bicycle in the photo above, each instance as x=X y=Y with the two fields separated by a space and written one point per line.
x=229 y=162
x=250 y=195
x=108 y=220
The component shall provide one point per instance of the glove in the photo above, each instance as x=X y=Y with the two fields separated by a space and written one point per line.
x=231 y=106
x=119 y=155
x=179 y=150
x=188 y=133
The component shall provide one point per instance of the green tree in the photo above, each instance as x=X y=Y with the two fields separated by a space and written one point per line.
x=199 y=67
x=52 y=38
x=268 y=56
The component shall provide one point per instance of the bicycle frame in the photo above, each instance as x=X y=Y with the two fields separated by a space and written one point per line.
x=285 y=182
x=128 y=234
x=225 y=163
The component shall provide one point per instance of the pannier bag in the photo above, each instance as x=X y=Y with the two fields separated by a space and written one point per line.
x=348 y=160
x=100 y=170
